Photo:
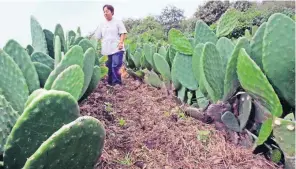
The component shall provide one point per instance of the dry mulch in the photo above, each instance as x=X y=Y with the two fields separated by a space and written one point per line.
x=146 y=129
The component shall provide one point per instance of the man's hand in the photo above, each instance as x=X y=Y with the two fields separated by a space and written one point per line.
x=120 y=45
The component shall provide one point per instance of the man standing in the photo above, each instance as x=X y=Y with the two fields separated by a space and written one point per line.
x=112 y=32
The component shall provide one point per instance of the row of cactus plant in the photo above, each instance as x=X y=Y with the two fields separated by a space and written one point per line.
x=241 y=84
x=40 y=89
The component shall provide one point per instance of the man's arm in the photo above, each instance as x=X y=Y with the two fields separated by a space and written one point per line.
x=122 y=32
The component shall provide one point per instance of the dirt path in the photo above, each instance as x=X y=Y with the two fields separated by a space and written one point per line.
x=146 y=130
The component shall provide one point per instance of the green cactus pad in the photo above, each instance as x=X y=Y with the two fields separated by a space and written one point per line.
x=196 y=58
x=95 y=79
x=278 y=55
x=23 y=60
x=172 y=54
x=256 y=84
x=13 y=82
x=184 y=72
x=162 y=66
x=225 y=48
x=177 y=85
x=257 y=45
x=104 y=71
x=153 y=79
x=203 y=33
x=49 y=36
x=77 y=40
x=245 y=107
x=70 y=80
x=230 y=121
x=227 y=22
x=85 y=44
x=84 y=140
x=276 y=155
x=162 y=51
x=38 y=38
x=43 y=58
x=57 y=51
x=72 y=57
x=34 y=95
x=148 y=53
x=179 y=42
x=137 y=59
x=214 y=72
x=181 y=94
x=231 y=82
x=8 y=117
x=202 y=101
x=284 y=133
x=29 y=49
x=60 y=32
x=43 y=72
x=88 y=68
x=46 y=114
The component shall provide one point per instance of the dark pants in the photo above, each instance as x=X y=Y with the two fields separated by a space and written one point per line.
x=114 y=64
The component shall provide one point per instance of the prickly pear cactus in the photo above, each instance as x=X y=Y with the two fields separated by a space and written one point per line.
x=284 y=133
x=41 y=118
x=38 y=38
x=257 y=45
x=153 y=79
x=162 y=51
x=245 y=107
x=33 y=95
x=72 y=138
x=95 y=78
x=176 y=83
x=60 y=32
x=225 y=48
x=29 y=49
x=43 y=72
x=85 y=44
x=230 y=121
x=13 y=83
x=179 y=42
x=162 y=66
x=256 y=84
x=196 y=61
x=57 y=51
x=203 y=33
x=43 y=58
x=8 y=117
x=72 y=57
x=137 y=59
x=231 y=82
x=279 y=40
x=184 y=72
x=227 y=22
x=23 y=60
x=49 y=37
x=213 y=70
x=88 y=68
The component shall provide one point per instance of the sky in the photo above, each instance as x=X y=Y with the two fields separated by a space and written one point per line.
x=15 y=14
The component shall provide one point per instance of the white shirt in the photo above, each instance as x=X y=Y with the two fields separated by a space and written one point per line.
x=109 y=32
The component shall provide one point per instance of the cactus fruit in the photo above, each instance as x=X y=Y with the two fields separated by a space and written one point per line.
x=57 y=51
x=43 y=72
x=73 y=56
x=88 y=68
x=85 y=134
x=70 y=80
x=257 y=44
x=184 y=72
x=225 y=48
x=49 y=37
x=179 y=42
x=284 y=133
x=38 y=38
x=8 y=117
x=162 y=66
x=60 y=32
x=13 y=83
x=43 y=58
x=23 y=60
x=231 y=82
x=227 y=22
x=279 y=40
x=214 y=72
x=230 y=121
x=41 y=118
x=256 y=84
x=203 y=33
x=97 y=75
x=245 y=107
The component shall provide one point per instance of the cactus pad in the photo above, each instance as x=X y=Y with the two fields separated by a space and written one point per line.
x=225 y=48
x=23 y=60
x=227 y=22
x=57 y=51
x=179 y=42
x=153 y=79
x=257 y=44
x=95 y=78
x=162 y=66
x=230 y=121
x=41 y=118
x=60 y=32
x=38 y=38
x=214 y=72
x=85 y=44
x=279 y=40
x=43 y=72
x=83 y=139
x=43 y=58
x=184 y=72
x=70 y=80
x=162 y=51
x=72 y=57
x=244 y=110
x=196 y=59
x=13 y=83
x=203 y=33
x=49 y=37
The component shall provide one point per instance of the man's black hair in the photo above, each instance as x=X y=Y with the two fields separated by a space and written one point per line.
x=109 y=7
